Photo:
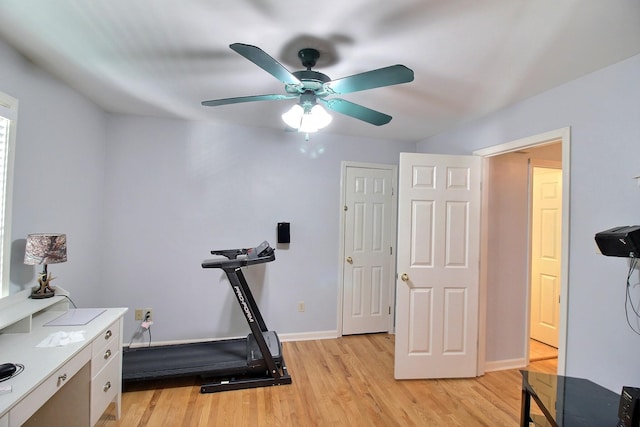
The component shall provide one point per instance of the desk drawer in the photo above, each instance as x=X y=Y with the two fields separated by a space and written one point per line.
x=34 y=400
x=105 y=348
x=106 y=338
x=104 y=388
x=108 y=353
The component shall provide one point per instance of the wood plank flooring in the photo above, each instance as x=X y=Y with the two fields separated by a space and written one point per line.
x=338 y=382
x=540 y=351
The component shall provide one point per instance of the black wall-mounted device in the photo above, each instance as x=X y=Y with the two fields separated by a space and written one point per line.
x=284 y=235
x=623 y=241
x=629 y=409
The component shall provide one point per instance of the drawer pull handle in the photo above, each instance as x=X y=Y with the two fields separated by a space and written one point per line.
x=108 y=334
x=107 y=354
x=107 y=386
x=62 y=378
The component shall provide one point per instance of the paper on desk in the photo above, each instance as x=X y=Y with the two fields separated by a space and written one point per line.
x=60 y=339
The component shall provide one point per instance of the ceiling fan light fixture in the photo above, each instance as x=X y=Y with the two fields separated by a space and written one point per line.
x=307 y=120
x=293 y=117
x=308 y=125
x=320 y=116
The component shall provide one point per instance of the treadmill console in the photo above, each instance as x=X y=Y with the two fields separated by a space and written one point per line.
x=241 y=257
x=262 y=250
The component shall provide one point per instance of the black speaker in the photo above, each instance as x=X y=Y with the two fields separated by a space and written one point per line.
x=621 y=241
x=284 y=235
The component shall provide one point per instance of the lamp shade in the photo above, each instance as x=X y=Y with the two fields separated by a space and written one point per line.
x=45 y=248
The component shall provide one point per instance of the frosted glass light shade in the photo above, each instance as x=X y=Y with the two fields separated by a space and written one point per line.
x=307 y=121
x=320 y=116
x=293 y=117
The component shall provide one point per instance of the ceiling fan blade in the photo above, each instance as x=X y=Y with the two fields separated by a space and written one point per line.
x=393 y=75
x=266 y=62
x=356 y=111
x=237 y=100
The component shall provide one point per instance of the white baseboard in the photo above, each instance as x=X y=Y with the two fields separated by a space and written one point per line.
x=503 y=365
x=296 y=336
x=176 y=342
x=308 y=336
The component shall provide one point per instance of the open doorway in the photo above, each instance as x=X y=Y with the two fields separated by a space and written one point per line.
x=506 y=242
x=545 y=238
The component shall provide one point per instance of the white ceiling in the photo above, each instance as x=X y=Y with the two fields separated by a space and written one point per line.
x=470 y=57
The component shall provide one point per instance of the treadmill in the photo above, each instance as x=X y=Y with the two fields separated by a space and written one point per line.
x=233 y=364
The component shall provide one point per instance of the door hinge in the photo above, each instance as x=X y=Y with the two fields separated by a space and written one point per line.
x=390 y=250
x=345 y=208
x=389 y=309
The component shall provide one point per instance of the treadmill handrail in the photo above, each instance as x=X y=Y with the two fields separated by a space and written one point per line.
x=230 y=253
x=237 y=262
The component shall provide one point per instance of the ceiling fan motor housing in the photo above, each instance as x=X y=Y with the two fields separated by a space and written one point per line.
x=308 y=57
x=311 y=81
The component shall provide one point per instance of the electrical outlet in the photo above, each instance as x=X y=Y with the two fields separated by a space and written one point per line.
x=301 y=306
x=141 y=314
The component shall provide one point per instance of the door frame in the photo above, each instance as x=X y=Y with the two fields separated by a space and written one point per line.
x=562 y=135
x=393 y=238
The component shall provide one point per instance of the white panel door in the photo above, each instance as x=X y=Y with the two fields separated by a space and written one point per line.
x=368 y=262
x=546 y=238
x=438 y=266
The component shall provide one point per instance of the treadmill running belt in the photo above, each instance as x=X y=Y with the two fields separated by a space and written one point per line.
x=220 y=357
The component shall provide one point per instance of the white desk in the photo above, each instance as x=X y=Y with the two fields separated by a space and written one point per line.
x=67 y=386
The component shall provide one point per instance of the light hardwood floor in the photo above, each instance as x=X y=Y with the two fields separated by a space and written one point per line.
x=540 y=351
x=338 y=382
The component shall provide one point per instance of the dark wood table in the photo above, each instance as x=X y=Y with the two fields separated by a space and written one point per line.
x=567 y=401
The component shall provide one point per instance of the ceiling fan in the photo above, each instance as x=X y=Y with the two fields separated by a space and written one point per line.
x=313 y=88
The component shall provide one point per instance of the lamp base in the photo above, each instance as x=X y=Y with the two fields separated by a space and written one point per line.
x=39 y=293
x=44 y=290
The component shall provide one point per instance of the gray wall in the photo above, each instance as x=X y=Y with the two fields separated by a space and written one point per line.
x=507 y=201
x=59 y=176
x=603 y=111
x=176 y=189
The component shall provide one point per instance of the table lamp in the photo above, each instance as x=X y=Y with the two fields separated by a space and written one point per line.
x=44 y=249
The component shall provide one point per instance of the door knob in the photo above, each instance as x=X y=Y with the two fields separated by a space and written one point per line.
x=350 y=260
x=405 y=277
